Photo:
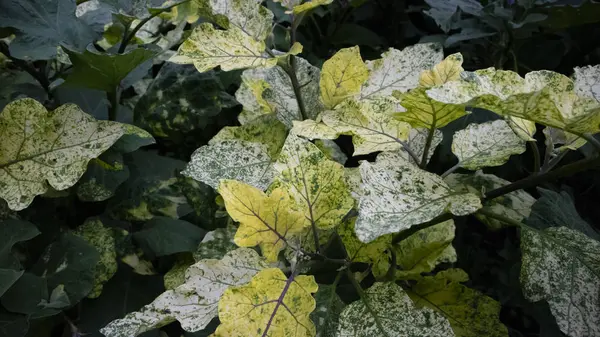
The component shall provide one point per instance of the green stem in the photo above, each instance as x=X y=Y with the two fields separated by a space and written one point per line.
x=451 y=170
x=536 y=156
x=537 y=179
x=500 y=217
x=293 y=69
x=428 y=145
x=113 y=98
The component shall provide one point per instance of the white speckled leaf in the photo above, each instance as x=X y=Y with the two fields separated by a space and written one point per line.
x=387 y=311
x=543 y=97
x=248 y=15
x=195 y=303
x=514 y=205
x=398 y=195
x=327 y=312
x=399 y=70
x=417 y=139
x=232 y=159
x=273 y=91
x=562 y=267
x=42 y=149
x=486 y=144
x=587 y=81
x=217 y=243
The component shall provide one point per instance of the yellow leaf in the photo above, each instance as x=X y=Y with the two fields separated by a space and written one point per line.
x=270 y=305
x=268 y=221
x=342 y=76
x=422 y=111
x=447 y=70
x=310 y=5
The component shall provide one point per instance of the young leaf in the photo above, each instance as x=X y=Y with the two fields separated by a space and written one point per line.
x=271 y=90
x=398 y=195
x=270 y=305
x=316 y=183
x=103 y=71
x=562 y=266
x=515 y=205
x=420 y=252
x=41 y=148
x=543 y=97
x=486 y=144
x=398 y=70
x=470 y=313
x=342 y=76
x=386 y=310
x=194 y=303
x=42 y=26
x=327 y=311
x=265 y=220
x=102 y=238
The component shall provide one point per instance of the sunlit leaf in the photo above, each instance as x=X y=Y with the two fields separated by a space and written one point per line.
x=386 y=310
x=422 y=111
x=470 y=313
x=398 y=195
x=447 y=70
x=102 y=238
x=420 y=252
x=342 y=76
x=399 y=70
x=359 y=251
x=486 y=144
x=315 y=182
x=308 y=5
x=562 y=267
x=194 y=303
x=587 y=81
x=270 y=305
x=543 y=97
x=265 y=220
x=42 y=149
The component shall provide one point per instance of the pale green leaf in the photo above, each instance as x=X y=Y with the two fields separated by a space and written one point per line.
x=522 y=127
x=562 y=267
x=486 y=144
x=417 y=140
x=470 y=313
x=308 y=5
x=359 y=251
x=342 y=76
x=387 y=311
x=399 y=70
x=514 y=205
x=422 y=111
x=420 y=252
x=232 y=159
x=194 y=303
x=398 y=195
x=270 y=305
x=42 y=149
x=543 y=97
x=176 y=275
x=102 y=238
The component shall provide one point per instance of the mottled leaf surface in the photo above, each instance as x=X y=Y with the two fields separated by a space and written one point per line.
x=216 y=244
x=398 y=195
x=194 y=303
x=327 y=311
x=342 y=76
x=387 y=311
x=272 y=304
x=41 y=148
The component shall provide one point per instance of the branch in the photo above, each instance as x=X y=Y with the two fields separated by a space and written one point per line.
x=500 y=217
x=113 y=98
x=534 y=180
x=293 y=69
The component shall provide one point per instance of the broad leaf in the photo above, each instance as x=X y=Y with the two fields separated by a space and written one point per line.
x=447 y=70
x=217 y=243
x=265 y=220
x=102 y=238
x=399 y=70
x=42 y=26
x=486 y=144
x=420 y=253
x=270 y=305
x=180 y=99
x=271 y=90
x=515 y=205
x=386 y=310
x=103 y=71
x=194 y=303
x=327 y=311
x=316 y=183
x=445 y=13
x=470 y=313
x=176 y=275
x=398 y=195
x=562 y=267
x=587 y=81
x=358 y=251
x=164 y=236
x=42 y=148
x=342 y=76
x=12 y=232
x=543 y=97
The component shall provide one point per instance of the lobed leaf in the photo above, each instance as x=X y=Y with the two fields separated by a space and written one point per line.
x=342 y=76
x=270 y=305
x=398 y=195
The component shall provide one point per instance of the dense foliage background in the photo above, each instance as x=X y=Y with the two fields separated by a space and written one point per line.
x=146 y=206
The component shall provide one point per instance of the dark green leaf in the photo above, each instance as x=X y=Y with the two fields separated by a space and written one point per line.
x=43 y=26
x=165 y=236
x=350 y=34
x=7 y=278
x=11 y=232
x=327 y=313
x=12 y=325
x=103 y=71
x=91 y=101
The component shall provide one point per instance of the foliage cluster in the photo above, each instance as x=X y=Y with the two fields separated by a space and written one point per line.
x=298 y=168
